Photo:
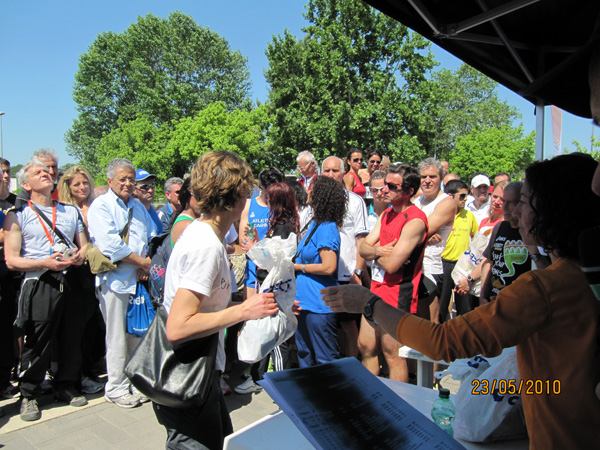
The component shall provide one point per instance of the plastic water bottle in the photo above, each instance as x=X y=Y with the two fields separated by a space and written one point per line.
x=443 y=412
x=251 y=231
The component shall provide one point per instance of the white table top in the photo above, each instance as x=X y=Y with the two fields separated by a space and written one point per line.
x=277 y=431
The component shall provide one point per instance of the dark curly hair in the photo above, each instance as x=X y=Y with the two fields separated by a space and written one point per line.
x=328 y=200
x=270 y=176
x=563 y=202
x=282 y=207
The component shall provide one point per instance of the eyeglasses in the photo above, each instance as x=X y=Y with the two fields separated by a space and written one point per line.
x=126 y=180
x=392 y=186
x=374 y=161
x=146 y=187
x=462 y=196
x=305 y=166
x=357 y=160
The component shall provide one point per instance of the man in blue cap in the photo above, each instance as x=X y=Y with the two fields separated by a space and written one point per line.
x=145 y=185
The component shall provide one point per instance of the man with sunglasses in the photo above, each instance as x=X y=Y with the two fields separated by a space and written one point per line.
x=440 y=211
x=145 y=189
x=308 y=169
x=167 y=212
x=396 y=246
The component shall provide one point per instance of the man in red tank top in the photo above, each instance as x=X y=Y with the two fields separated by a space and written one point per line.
x=396 y=247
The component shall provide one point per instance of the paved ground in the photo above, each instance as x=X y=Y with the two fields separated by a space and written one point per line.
x=101 y=425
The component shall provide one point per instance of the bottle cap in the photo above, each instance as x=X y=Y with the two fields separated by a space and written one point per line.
x=444 y=393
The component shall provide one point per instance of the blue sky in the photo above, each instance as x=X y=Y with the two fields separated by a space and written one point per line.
x=40 y=43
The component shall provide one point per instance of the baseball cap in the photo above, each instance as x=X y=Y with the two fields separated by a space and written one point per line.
x=479 y=180
x=142 y=174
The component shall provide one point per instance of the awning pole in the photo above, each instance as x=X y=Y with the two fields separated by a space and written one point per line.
x=539 y=130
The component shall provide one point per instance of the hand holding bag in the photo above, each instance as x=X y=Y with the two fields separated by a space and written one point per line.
x=179 y=377
x=99 y=263
x=140 y=312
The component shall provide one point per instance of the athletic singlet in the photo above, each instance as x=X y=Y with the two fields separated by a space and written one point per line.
x=432 y=261
x=400 y=289
x=259 y=217
x=180 y=218
x=359 y=188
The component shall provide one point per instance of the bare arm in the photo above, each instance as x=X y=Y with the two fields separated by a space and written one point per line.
x=486 y=282
x=443 y=214
x=12 y=251
x=186 y=323
x=178 y=228
x=349 y=181
x=412 y=235
x=370 y=249
x=360 y=261
x=326 y=267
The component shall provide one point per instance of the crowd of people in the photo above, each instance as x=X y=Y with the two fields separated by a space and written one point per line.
x=389 y=232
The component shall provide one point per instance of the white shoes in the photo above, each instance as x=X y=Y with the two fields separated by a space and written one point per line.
x=247 y=387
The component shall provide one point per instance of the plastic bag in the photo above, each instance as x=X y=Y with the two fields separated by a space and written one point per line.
x=139 y=312
x=259 y=337
x=471 y=258
x=485 y=416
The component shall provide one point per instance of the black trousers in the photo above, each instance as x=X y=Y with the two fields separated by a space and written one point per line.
x=197 y=428
x=8 y=312
x=50 y=316
x=463 y=303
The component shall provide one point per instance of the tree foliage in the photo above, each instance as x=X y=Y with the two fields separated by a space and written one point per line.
x=462 y=102
x=492 y=150
x=160 y=69
x=593 y=150
x=170 y=151
x=354 y=79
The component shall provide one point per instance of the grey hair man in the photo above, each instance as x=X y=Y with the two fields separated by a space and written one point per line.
x=49 y=308
x=307 y=165
x=170 y=210
x=50 y=159
x=351 y=266
x=108 y=215
x=440 y=210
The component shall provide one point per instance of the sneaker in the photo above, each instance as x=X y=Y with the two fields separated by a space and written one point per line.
x=29 y=410
x=71 y=397
x=90 y=386
x=247 y=387
x=225 y=387
x=9 y=392
x=141 y=397
x=46 y=385
x=124 y=401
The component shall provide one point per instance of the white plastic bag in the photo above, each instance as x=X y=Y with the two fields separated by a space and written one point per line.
x=471 y=258
x=486 y=416
x=259 y=336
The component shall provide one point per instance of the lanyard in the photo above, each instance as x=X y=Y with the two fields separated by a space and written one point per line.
x=42 y=222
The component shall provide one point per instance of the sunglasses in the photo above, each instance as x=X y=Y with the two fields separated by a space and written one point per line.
x=146 y=187
x=357 y=160
x=462 y=196
x=392 y=186
x=374 y=161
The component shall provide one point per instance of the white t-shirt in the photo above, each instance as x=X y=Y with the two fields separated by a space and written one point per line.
x=35 y=243
x=199 y=263
x=432 y=258
x=480 y=213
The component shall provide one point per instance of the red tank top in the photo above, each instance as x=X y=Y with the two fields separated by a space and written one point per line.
x=359 y=188
x=400 y=289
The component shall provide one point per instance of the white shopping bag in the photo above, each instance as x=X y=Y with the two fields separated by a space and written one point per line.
x=259 y=336
x=471 y=258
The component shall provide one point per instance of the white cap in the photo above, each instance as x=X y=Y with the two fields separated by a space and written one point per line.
x=479 y=180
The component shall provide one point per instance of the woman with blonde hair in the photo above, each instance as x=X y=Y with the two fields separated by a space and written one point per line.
x=76 y=187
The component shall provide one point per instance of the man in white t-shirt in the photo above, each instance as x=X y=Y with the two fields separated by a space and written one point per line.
x=351 y=266
x=440 y=210
x=479 y=200
x=43 y=239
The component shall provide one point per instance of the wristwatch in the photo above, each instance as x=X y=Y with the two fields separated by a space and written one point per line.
x=470 y=278
x=368 y=311
x=358 y=273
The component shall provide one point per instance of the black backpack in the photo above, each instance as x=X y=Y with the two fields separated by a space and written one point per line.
x=159 y=251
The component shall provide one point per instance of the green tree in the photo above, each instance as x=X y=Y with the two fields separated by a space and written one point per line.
x=460 y=103
x=354 y=79
x=593 y=150
x=170 y=151
x=161 y=69
x=492 y=150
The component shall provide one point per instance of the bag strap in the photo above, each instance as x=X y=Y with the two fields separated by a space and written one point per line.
x=56 y=230
x=306 y=241
x=125 y=229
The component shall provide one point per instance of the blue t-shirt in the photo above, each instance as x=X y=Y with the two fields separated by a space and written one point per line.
x=308 y=285
x=259 y=217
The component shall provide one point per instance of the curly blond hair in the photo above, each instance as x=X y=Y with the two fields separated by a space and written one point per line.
x=64 y=185
x=219 y=180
